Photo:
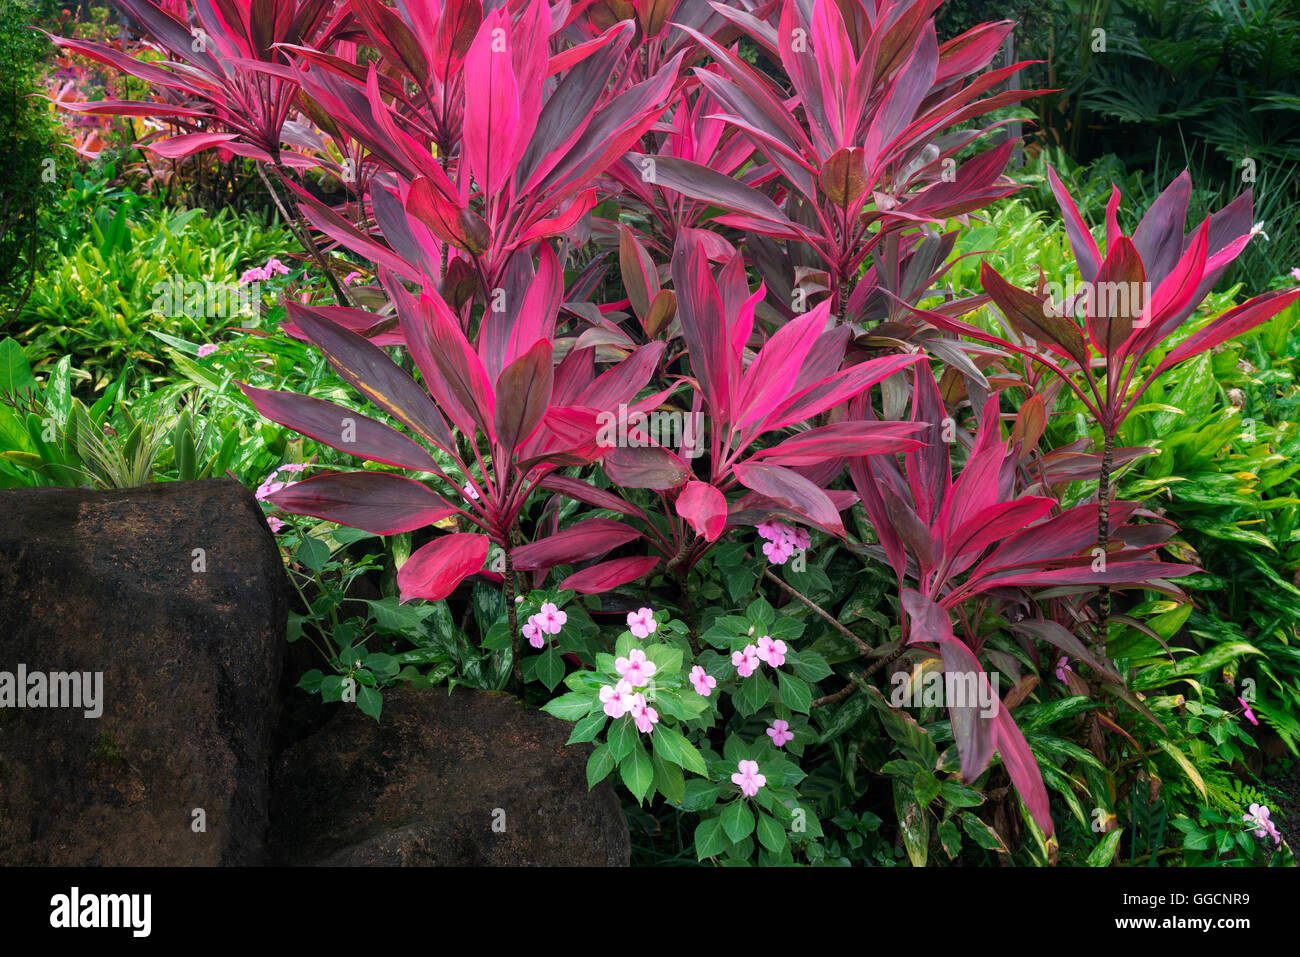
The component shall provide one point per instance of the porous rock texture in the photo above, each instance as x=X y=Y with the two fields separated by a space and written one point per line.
x=176 y=593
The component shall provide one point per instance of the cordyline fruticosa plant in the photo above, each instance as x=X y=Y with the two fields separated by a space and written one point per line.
x=508 y=154
x=1129 y=302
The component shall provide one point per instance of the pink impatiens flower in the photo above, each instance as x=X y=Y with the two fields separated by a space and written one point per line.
x=635 y=669
x=642 y=623
x=780 y=733
x=255 y=274
x=778 y=553
x=533 y=633
x=645 y=716
x=1062 y=667
x=748 y=778
x=702 y=681
x=782 y=540
x=773 y=652
x=207 y=350
x=550 y=619
x=617 y=699
x=746 y=661
x=270 y=486
x=1250 y=715
x=1264 y=827
x=1295 y=273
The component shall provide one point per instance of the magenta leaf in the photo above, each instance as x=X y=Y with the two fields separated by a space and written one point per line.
x=577 y=543
x=434 y=570
x=377 y=502
x=340 y=428
x=523 y=395
x=1022 y=769
x=793 y=491
x=610 y=574
x=704 y=508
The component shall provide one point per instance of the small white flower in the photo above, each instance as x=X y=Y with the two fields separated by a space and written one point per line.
x=1259 y=228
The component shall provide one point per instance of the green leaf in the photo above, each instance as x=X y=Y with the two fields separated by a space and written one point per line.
x=637 y=770
x=912 y=823
x=15 y=371
x=313 y=553
x=770 y=833
x=1183 y=762
x=392 y=616
x=497 y=637
x=700 y=795
x=1103 y=853
x=795 y=693
x=667 y=659
x=668 y=779
x=808 y=665
x=1031 y=717
x=950 y=838
x=550 y=668
x=570 y=707
x=737 y=820
x=925 y=786
x=849 y=714
x=1156 y=675
x=370 y=701
x=331 y=688
x=674 y=747
x=902 y=727
x=981 y=833
x=599 y=765
x=621 y=737
x=752 y=694
x=587 y=728
x=958 y=795
x=383 y=665
x=710 y=838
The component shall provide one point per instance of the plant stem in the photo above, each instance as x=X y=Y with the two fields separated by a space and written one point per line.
x=513 y=615
x=1103 y=533
x=861 y=645
x=302 y=232
x=857 y=681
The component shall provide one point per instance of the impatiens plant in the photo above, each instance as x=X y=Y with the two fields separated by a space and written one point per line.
x=661 y=726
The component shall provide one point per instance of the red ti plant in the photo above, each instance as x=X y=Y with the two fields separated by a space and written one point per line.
x=216 y=96
x=530 y=150
x=975 y=546
x=1131 y=301
x=794 y=377
x=857 y=147
x=514 y=419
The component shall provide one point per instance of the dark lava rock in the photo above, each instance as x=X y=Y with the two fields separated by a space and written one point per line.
x=110 y=581
x=470 y=778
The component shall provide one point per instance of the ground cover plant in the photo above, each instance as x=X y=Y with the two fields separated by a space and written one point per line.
x=693 y=372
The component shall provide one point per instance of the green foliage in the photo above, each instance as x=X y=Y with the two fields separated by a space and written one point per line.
x=1209 y=85
x=30 y=140
x=129 y=268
